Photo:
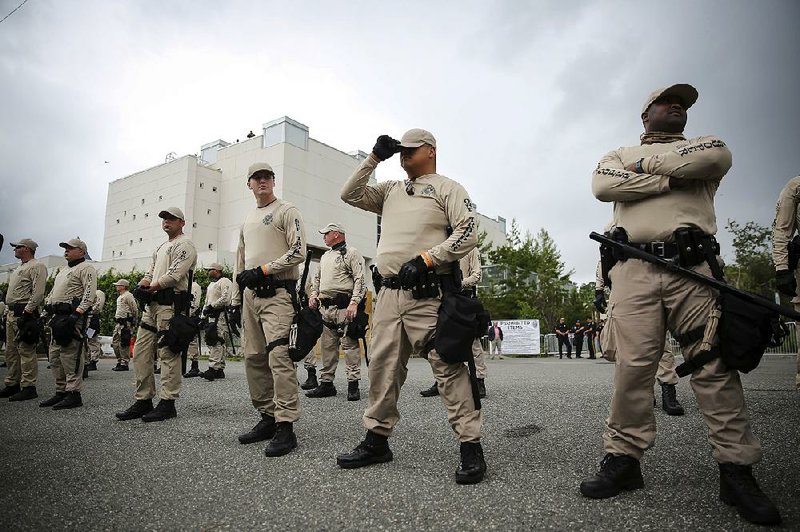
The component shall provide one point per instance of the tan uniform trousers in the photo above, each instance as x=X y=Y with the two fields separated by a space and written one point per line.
x=193 y=351
x=480 y=359
x=797 y=333
x=666 y=368
x=311 y=360
x=67 y=362
x=401 y=326
x=330 y=342
x=20 y=357
x=217 y=353
x=644 y=302
x=144 y=352
x=271 y=377
x=94 y=351
x=122 y=352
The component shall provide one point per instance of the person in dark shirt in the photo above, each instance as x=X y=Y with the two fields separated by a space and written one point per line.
x=577 y=337
x=562 y=333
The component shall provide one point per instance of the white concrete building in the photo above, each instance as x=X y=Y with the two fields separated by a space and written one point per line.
x=212 y=192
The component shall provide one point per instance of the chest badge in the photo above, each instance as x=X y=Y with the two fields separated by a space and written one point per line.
x=267 y=219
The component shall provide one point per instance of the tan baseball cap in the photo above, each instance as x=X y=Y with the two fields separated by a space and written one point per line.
x=259 y=167
x=27 y=242
x=123 y=282
x=332 y=227
x=172 y=211
x=74 y=243
x=214 y=266
x=414 y=138
x=684 y=91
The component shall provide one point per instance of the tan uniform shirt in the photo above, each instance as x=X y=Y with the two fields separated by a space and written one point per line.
x=126 y=306
x=470 y=266
x=197 y=295
x=79 y=281
x=171 y=264
x=99 y=302
x=415 y=223
x=27 y=283
x=273 y=235
x=219 y=293
x=644 y=204
x=340 y=273
x=787 y=216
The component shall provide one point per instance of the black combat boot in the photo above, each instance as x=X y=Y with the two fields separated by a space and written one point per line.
x=325 y=389
x=92 y=366
x=28 y=392
x=194 y=371
x=120 y=367
x=264 y=430
x=373 y=450
x=71 y=400
x=738 y=487
x=669 y=400
x=472 y=466
x=311 y=381
x=8 y=391
x=136 y=410
x=219 y=373
x=430 y=392
x=481 y=388
x=617 y=473
x=86 y=371
x=165 y=409
x=353 y=393
x=53 y=400
x=284 y=440
x=209 y=374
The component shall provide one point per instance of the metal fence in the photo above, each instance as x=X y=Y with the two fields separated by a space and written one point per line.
x=549 y=343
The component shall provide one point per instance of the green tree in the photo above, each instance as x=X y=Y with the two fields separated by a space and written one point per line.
x=753 y=269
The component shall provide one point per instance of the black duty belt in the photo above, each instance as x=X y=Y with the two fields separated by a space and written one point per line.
x=668 y=250
x=391 y=282
x=341 y=301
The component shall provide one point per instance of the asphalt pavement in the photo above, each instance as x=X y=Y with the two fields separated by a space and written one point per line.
x=82 y=469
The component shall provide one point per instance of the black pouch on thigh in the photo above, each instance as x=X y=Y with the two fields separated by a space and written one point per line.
x=460 y=321
x=63 y=329
x=125 y=337
x=304 y=333
x=745 y=331
x=182 y=329
x=358 y=327
x=29 y=329
x=210 y=334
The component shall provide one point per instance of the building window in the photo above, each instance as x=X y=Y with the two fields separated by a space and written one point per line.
x=211 y=246
x=130 y=243
x=117 y=220
x=134 y=216
x=142 y=201
x=113 y=254
x=124 y=213
x=140 y=239
x=201 y=185
x=214 y=189
x=208 y=211
x=194 y=224
x=120 y=253
x=147 y=215
x=160 y=197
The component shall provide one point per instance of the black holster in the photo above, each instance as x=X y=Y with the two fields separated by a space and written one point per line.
x=427 y=286
x=793 y=248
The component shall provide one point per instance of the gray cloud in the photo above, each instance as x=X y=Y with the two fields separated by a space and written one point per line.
x=524 y=97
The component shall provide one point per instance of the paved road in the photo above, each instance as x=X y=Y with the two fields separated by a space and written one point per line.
x=82 y=469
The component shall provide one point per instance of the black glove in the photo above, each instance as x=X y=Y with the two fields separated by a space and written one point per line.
x=235 y=314
x=250 y=278
x=141 y=295
x=376 y=278
x=385 y=147
x=600 y=301
x=411 y=271
x=208 y=310
x=785 y=282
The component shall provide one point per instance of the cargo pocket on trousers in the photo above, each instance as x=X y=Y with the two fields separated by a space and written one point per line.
x=608 y=341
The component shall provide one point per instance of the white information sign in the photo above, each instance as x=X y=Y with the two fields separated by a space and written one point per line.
x=520 y=337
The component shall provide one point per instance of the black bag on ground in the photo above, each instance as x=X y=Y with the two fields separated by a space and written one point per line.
x=461 y=320
x=745 y=331
x=306 y=330
x=182 y=329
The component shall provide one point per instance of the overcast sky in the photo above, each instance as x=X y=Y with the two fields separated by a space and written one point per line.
x=524 y=97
